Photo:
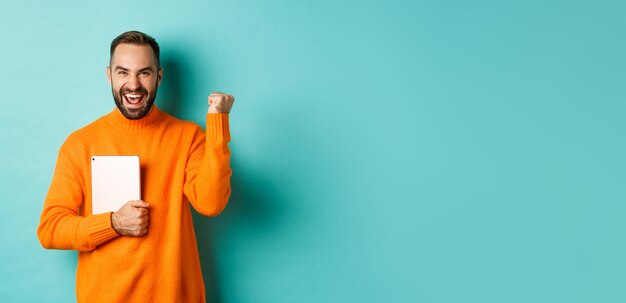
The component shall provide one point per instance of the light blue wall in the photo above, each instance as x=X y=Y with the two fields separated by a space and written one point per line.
x=399 y=151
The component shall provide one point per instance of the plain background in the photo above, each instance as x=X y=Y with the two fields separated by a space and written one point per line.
x=383 y=151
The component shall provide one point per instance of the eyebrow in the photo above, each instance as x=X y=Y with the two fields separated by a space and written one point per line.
x=148 y=68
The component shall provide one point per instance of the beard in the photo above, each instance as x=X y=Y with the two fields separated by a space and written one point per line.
x=134 y=113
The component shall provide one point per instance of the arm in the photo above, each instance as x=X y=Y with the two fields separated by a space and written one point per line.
x=60 y=227
x=207 y=174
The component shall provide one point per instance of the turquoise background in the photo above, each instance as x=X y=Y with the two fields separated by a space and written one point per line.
x=389 y=151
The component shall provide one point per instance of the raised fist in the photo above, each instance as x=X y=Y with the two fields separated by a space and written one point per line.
x=220 y=102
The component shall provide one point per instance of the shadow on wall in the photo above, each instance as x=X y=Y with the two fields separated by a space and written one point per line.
x=171 y=93
x=248 y=212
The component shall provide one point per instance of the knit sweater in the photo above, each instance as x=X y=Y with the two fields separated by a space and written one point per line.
x=179 y=163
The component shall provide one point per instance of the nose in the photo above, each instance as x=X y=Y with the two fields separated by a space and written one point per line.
x=133 y=83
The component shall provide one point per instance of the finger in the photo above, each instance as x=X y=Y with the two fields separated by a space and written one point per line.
x=138 y=214
x=134 y=203
x=216 y=99
x=139 y=203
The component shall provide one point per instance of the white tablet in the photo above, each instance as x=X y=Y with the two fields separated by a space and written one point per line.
x=115 y=180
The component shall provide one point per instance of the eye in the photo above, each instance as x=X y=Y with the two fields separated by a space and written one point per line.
x=145 y=73
x=122 y=73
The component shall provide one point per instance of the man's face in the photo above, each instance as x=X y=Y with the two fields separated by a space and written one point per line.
x=134 y=77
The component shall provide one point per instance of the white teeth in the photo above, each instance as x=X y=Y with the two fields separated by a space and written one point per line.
x=132 y=96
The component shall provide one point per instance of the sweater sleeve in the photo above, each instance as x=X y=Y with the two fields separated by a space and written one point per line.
x=60 y=226
x=207 y=174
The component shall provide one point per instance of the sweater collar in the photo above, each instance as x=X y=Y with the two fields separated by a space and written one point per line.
x=118 y=120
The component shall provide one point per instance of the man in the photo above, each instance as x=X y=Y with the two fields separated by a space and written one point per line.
x=146 y=251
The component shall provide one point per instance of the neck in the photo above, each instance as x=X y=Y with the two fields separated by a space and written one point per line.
x=117 y=119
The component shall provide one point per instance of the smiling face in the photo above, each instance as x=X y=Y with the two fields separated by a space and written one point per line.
x=135 y=76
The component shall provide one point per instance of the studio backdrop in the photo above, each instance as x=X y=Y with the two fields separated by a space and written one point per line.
x=382 y=151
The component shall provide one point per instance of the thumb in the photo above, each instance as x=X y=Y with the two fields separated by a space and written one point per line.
x=139 y=203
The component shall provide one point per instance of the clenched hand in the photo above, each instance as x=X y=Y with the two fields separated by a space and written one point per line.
x=220 y=103
x=131 y=219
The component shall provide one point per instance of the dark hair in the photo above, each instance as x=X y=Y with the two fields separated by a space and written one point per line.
x=138 y=38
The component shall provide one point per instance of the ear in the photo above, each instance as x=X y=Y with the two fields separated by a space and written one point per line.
x=108 y=73
x=159 y=76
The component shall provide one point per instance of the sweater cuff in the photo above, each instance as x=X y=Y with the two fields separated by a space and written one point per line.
x=217 y=128
x=99 y=229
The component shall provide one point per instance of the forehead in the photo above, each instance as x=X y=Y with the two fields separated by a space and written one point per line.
x=133 y=56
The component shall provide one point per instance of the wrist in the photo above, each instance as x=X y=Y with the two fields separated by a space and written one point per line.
x=113 y=223
x=217 y=110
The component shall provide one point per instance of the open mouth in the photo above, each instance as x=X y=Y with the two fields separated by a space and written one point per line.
x=134 y=99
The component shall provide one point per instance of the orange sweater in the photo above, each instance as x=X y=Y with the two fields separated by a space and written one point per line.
x=176 y=162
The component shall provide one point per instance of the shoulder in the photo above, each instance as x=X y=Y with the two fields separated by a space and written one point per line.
x=77 y=143
x=86 y=133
